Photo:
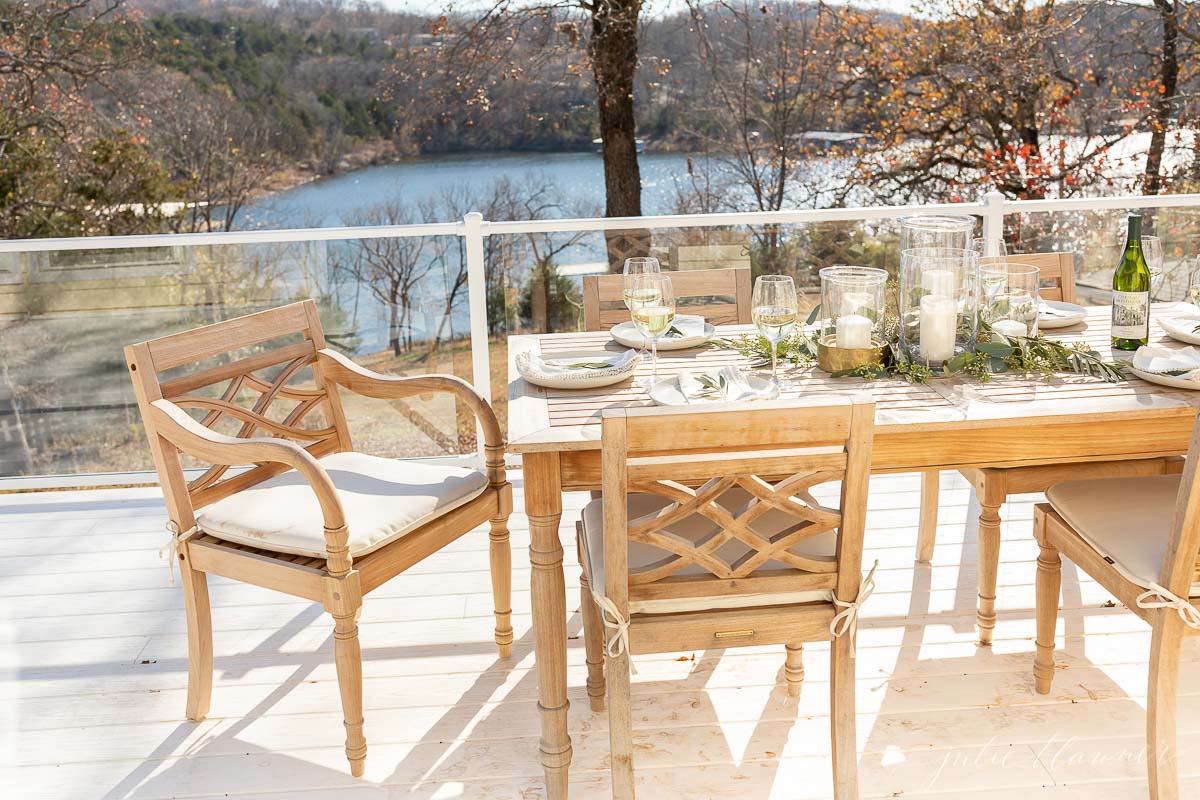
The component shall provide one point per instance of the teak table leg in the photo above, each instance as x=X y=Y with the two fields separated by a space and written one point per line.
x=543 y=505
x=991 y=492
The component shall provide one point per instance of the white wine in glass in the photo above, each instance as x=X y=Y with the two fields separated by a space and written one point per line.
x=774 y=307
x=633 y=268
x=1152 y=249
x=652 y=308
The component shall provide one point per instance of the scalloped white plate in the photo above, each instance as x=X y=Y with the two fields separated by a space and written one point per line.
x=624 y=365
x=627 y=334
x=1165 y=380
x=1074 y=315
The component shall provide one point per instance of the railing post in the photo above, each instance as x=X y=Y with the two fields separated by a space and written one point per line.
x=481 y=362
x=993 y=216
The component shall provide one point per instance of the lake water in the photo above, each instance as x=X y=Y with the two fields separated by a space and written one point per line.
x=579 y=176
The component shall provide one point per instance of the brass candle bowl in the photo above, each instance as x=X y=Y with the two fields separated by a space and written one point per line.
x=832 y=358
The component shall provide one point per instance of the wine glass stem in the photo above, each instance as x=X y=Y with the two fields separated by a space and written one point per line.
x=774 y=361
x=654 y=362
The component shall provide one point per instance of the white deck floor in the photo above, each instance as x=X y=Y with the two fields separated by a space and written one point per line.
x=93 y=676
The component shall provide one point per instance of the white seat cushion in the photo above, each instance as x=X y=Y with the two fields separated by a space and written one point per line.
x=696 y=528
x=384 y=498
x=1126 y=520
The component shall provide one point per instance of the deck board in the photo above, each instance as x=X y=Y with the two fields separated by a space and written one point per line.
x=93 y=677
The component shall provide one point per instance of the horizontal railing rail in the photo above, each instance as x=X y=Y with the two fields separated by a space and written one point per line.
x=474 y=229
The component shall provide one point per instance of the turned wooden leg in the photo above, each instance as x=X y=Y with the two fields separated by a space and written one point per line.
x=543 y=504
x=793 y=668
x=501 y=561
x=927 y=525
x=343 y=601
x=1161 y=750
x=842 y=720
x=991 y=495
x=199 y=636
x=593 y=636
x=1049 y=582
x=620 y=727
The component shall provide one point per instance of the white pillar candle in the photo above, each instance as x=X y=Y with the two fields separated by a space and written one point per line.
x=857 y=303
x=1010 y=327
x=853 y=331
x=939 y=326
x=939 y=282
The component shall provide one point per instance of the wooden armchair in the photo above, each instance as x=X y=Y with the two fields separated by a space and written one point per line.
x=603 y=296
x=1140 y=539
x=994 y=485
x=312 y=518
x=748 y=558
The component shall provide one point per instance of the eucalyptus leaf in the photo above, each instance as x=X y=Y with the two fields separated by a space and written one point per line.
x=996 y=349
x=812 y=315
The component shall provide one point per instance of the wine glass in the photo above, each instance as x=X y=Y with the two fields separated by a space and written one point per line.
x=633 y=268
x=1194 y=283
x=774 y=309
x=652 y=306
x=989 y=249
x=1152 y=249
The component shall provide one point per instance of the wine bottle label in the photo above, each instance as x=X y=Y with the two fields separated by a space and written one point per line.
x=1131 y=315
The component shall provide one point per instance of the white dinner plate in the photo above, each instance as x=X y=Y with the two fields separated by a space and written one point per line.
x=1165 y=380
x=623 y=366
x=667 y=393
x=1071 y=314
x=627 y=334
x=1178 y=321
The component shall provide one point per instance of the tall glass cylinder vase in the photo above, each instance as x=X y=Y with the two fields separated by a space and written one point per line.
x=953 y=231
x=938 y=303
x=853 y=300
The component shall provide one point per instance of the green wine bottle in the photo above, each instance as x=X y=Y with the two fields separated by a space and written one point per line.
x=1131 y=293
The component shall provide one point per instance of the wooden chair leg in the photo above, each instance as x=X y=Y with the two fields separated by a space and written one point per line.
x=842 y=720
x=1049 y=583
x=199 y=633
x=500 y=554
x=620 y=727
x=1161 y=749
x=593 y=636
x=793 y=668
x=343 y=601
x=927 y=526
x=991 y=496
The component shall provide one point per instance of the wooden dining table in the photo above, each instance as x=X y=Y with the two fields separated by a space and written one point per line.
x=949 y=423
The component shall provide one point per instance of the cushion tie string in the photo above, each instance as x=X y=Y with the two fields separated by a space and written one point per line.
x=846 y=620
x=170 y=551
x=1158 y=597
x=618 y=642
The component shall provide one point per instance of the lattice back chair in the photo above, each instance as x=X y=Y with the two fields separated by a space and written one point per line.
x=1140 y=539
x=311 y=517
x=604 y=303
x=698 y=545
x=993 y=485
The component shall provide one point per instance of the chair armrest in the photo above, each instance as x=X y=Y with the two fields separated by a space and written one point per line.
x=344 y=372
x=174 y=424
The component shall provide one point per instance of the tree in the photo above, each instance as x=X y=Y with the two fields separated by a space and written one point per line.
x=471 y=59
x=60 y=158
x=985 y=93
x=217 y=153
x=391 y=268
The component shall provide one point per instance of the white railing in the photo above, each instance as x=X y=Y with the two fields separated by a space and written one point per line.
x=473 y=229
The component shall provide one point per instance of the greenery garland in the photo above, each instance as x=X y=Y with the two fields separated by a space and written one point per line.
x=1028 y=355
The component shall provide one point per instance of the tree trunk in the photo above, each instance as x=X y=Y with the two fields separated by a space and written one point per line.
x=394 y=329
x=613 y=51
x=1169 y=79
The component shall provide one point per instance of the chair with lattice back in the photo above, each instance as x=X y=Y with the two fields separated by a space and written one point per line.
x=310 y=517
x=697 y=545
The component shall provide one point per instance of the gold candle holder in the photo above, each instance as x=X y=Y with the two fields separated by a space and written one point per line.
x=832 y=358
